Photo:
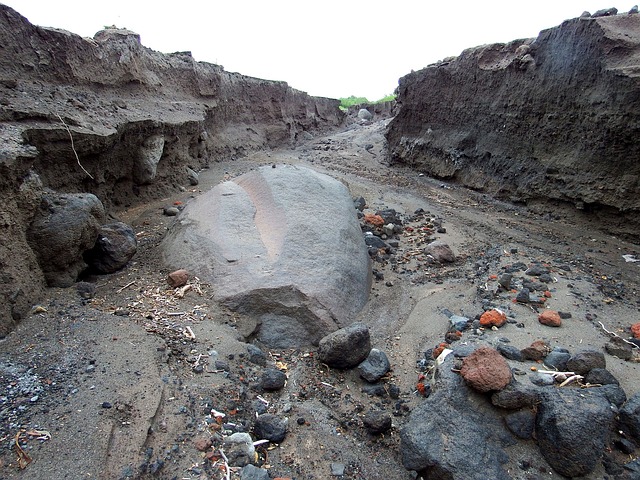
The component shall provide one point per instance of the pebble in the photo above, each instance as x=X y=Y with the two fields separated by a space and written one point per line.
x=550 y=318
x=270 y=427
x=106 y=405
x=523 y=296
x=377 y=422
x=375 y=366
x=171 y=211
x=273 y=379
x=337 y=469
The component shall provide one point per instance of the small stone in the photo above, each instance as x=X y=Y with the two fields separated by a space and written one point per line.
x=523 y=296
x=505 y=280
x=536 y=271
x=557 y=359
x=564 y=315
x=486 y=370
x=171 y=211
x=90 y=369
x=616 y=347
x=510 y=352
x=493 y=318
x=635 y=330
x=345 y=348
x=550 y=318
x=375 y=220
x=256 y=355
x=178 y=278
x=301 y=421
x=536 y=351
x=106 y=405
x=377 y=422
x=239 y=449
x=198 y=369
x=270 y=427
x=625 y=446
x=251 y=472
x=337 y=469
x=458 y=322
x=441 y=252
x=586 y=360
x=375 y=366
x=222 y=365
x=202 y=444
x=542 y=379
x=376 y=389
x=273 y=379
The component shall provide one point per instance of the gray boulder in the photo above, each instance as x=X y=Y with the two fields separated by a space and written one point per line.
x=280 y=245
x=364 y=114
x=345 y=348
x=115 y=246
x=64 y=227
x=572 y=428
x=455 y=434
x=146 y=162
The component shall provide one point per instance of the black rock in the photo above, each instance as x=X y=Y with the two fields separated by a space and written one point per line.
x=375 y=242
x=515 y=396
x=510 y=352
x=375 y=366
x=222 y=365
x=625 y=446
x=389 y=215
x=584 y=361
x=270 y=427
x=376 y=389
x=251 y=472
x=360 y=203
x=557 y=358
x=601 y=376
x=505 y=280
x=629 y=418
x=256 y=355
x=521 y=423
x=377 y=422
x=572 y=428
x=523 y=296
x=564 y=315
x=273 y=379
x=536 y=271
x=345 y=348
x=114 y=247
x=545 y=278
x=616 y=347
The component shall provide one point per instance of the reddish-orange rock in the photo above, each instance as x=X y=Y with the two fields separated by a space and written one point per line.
x=202 y=444
x=493 y=318
x=635 y=330
x=438 y=350
x=550 y=318
x=486 y=370
x=178 y=278
x=372 y=219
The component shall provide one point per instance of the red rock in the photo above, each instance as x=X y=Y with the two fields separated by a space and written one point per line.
x=372 y=219
x=486 y=370
x=178 y=278
x=492 y=318
x=550 y=318
x=635 y=330
x=536 y=351
x=202 y=444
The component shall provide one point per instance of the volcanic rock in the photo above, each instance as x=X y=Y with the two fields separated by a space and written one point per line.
x=486 y=370
x=375 y=366
x=115 y=246
x=345 y=348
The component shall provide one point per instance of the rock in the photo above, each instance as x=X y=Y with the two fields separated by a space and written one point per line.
x=256 y=355
x=86 y=290
x=538 y=350
x=294 y=275
x=557 y=358
x=239 y=449
x=633 y=10
x=613 y=393
x=510 y=352
x=146 y=162
x=270 y=427
x=377 y=422
x=523 y=296
x=493 y=318
x=364 y=114
x=542 y=379
x=486 y=370
x=115 y=246
x=171 y=211
x=616 y=347
x=192 y=175
x=203 y=444
x=625 y=446
x=550 y=318
x=606 y=12
x=454 y=433
x=64 y=227
x=375 y=366
x=273 y=379
x=600 y=376
x=337 y=469
x=375 y=389
x=388 y=229
x=345 y=348
x=505 y=280
x=375 y=242
x=572 y=428
x=458 y=322
x=251 y=472
x=178 y=278
x=629 y=418
x=536 y=271
x=389 y=215
x=360 y=203
x=441 y=252
x=635 y=330
x=584 y=361
x=375 y=220
x=521 y=423
x=515 y=396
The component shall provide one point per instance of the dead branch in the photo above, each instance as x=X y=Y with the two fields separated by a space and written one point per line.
x=73 y=147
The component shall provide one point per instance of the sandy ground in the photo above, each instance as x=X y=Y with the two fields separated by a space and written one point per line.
x=113 y=382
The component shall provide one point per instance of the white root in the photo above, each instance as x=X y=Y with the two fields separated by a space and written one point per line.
x=227 y=474
x=616 y=335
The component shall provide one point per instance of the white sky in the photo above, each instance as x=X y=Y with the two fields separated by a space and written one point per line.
x=327 y=48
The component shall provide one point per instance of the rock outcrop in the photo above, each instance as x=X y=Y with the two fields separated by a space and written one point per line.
x=556 y=117
x=107 y=116
x=280 y=244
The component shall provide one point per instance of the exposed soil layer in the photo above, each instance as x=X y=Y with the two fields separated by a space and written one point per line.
x=550 y=119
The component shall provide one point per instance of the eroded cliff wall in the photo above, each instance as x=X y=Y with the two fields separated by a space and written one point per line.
x=552 y=118
x=138 y=118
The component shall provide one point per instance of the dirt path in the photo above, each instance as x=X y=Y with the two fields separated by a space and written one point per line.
x=123 y=388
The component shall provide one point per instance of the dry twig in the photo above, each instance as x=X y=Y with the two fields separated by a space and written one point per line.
x=73 y=147
x=227 y=474
x=126 y=286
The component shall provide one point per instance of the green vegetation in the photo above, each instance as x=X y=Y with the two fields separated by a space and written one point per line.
x=345 y=103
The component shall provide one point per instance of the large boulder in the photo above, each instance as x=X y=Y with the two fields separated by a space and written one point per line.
x=64 y=227
x=115 y=246
x=281 y=245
